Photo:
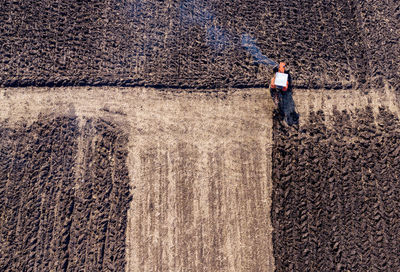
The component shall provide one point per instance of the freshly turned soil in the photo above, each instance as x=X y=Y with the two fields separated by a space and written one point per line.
x=64 y=188
x=51 y=217
x=379 y=22
x=197 y=43
x=336 y=193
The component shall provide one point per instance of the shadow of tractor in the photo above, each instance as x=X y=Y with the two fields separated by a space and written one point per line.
x=287 y=108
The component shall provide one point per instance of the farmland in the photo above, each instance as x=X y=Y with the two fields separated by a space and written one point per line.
x=197 y=44
x=141 y=136
x=53 y=218
x=145 y=190
x=335 y=192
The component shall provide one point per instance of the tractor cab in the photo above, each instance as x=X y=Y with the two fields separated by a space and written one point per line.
x=281 y=79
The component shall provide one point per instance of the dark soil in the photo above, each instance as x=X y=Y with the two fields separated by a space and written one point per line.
x=380 y=21
x=197 y=43
x=336 y=193
x=51 y=218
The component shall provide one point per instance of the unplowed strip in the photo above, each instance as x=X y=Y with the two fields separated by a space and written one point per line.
x=201 y=169
x=199 y=166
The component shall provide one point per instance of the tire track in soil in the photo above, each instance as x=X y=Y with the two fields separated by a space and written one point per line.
x=335 y=192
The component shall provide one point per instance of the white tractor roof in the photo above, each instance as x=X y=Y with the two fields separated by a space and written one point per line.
x=281 y=79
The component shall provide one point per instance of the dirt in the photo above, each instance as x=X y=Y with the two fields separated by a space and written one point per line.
x=335 y=193
x=197 y=44
x=102 y=200
x=199 y=166
x=202 y=175
x=379 y=24
x=199 y=170
x=51 y=217
x=177 y=170
x=36 y=186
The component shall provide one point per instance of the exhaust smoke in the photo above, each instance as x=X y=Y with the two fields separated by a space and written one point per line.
x=250 y=45
x=195 y=12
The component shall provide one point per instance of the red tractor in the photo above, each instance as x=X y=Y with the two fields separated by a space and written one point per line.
x=279 y=83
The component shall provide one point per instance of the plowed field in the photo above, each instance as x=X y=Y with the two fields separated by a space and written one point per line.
x=171 y=157
x=54 y=217
x=336 y=190
x=198 y=43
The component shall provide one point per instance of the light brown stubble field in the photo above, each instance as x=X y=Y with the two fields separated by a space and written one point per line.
x=200 y=170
